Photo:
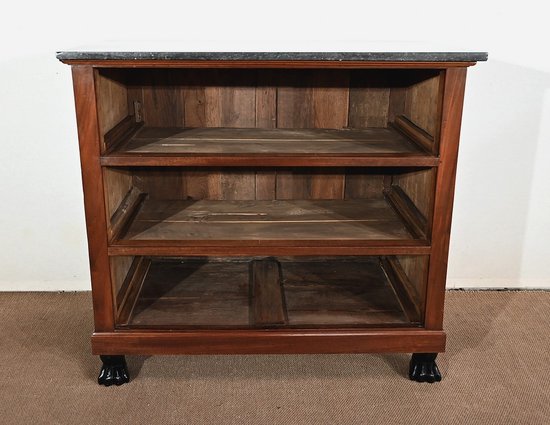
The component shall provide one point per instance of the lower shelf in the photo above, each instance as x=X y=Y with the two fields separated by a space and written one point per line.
x=249 y=293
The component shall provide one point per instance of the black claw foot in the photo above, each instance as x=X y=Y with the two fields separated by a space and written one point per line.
x=423 y=368
x=114 y=371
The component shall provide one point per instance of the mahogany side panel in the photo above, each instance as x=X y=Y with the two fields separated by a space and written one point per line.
x=94 y=203
x=453 y=97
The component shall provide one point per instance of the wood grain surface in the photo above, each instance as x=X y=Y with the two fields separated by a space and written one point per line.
x=261 y=220
x=221 y=293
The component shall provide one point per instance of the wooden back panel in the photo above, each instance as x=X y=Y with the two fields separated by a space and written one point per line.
x=269 y=98
x=261 y=184
x=264 y=98
x=284 y=98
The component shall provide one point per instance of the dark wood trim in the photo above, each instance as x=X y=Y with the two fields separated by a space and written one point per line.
x=125 y=211
x=419 y=136
x=455 y=81
x=143 y=63
x=402 y=287
x=132 y=287
x=198 y=251
x=120 y=133
x=94 y=203
x=403 y=205
x=256 y=243
x=293 y=341
x=269 y=247
x=441 y=93
x=379 y=160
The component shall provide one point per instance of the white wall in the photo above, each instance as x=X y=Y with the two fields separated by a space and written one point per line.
x=501 y=221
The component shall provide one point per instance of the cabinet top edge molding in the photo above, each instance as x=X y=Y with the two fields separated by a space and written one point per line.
x=106 y=57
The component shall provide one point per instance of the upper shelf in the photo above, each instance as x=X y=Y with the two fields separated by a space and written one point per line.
x=268 y=147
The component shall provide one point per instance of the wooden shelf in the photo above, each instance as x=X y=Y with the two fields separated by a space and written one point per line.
x=265 y=293
x=163 y=225
x=152 y=146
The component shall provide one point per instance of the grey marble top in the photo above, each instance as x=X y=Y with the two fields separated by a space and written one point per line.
x=279 y=56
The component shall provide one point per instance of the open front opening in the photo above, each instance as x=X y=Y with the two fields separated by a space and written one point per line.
x=269 y=206
x=269 y=111
x=269 y=292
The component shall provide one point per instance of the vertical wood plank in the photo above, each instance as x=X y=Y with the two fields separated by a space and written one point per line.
x=330 y=99
x=327 y=183
x=194 y=100
x=369 y=99
x=236 y=105
x=312 y=99
x=238 y=100
x=163 y=104
x=295 y=100
x=266 y=185
x=238 y=109
x=266 y=117
x=195 y=184
x=369 y=107
x=214 y=185
x=453 y=97
x=360 y=185
x=215 y=98
x=330 y=110
x=267 y=293
x=266 y=100
x=293 y=184
x=294 y=110
x=213 y=106
x=238 y=185
x=94 y=203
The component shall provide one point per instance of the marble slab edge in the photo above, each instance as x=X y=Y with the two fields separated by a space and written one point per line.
x=279 y=56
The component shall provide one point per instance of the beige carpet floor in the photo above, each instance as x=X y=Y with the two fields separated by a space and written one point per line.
x=496 y=371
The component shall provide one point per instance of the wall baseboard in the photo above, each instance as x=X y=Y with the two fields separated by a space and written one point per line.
x=45 y=286
x=84 y=285
x=498 y=284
